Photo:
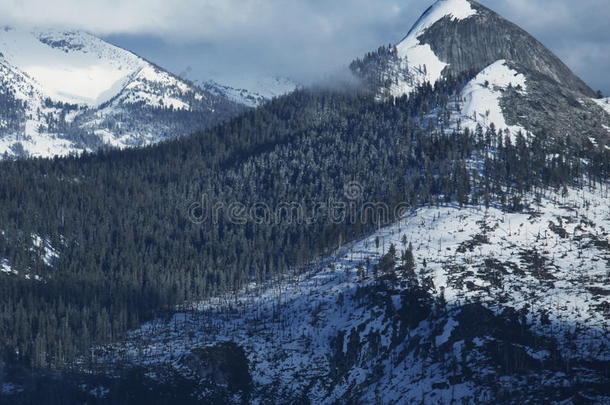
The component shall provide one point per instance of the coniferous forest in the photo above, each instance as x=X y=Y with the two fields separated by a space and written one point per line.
x=121 y=223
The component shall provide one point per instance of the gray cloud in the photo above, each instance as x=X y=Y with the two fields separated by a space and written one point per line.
x=303 y=39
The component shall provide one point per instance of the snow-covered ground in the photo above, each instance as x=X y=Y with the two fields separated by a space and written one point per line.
x=42 y=248
x=47 y=252
x=251 y=92
x=39 y=145
x=6 y=268
x=603 y=103
x=329 y=333
x=481 y=97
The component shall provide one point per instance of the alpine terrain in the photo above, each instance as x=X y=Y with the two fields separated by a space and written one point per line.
x=437 y=233
x=518 y=84
x=65 y=92
x=252 y=92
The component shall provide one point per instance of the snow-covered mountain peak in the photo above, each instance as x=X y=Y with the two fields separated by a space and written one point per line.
x=416 y=60
x=69 y=91
x=424 y=63
x=454 y=9
x=462 y=38
x=70 y=66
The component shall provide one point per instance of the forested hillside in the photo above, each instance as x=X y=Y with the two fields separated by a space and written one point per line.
x=92 y=246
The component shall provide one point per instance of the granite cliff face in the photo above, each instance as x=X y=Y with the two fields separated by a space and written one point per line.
x=485 y=37
x=548 y=107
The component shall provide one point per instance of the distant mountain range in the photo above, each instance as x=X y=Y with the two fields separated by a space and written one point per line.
x=255 y=93
x=68 y=91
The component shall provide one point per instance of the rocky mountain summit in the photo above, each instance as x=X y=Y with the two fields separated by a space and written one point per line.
x=456 y=36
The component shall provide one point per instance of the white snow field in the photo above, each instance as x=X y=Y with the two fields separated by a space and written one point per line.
x=75 y=67
x=481 y=97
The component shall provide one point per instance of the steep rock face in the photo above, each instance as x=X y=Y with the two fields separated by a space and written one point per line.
x=485 y=37
x=550 y=108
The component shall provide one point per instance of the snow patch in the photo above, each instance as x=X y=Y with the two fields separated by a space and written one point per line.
x=49 y=254
x=6 y=268
x=449 y=327
x=481 y=97
x=603 y=103
x=421 y=61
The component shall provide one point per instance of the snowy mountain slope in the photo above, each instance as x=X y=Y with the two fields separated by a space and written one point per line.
x=457 y=36
x=481 y=97
x=251 y=93
x=72 y=67
x=76 y=92
x=503 y=307
x=603 y=103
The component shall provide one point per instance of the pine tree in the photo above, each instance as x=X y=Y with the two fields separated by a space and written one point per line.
x=387 y=264
x=409 y=261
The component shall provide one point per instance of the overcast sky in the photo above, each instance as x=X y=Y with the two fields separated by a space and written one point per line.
x=301 y=39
